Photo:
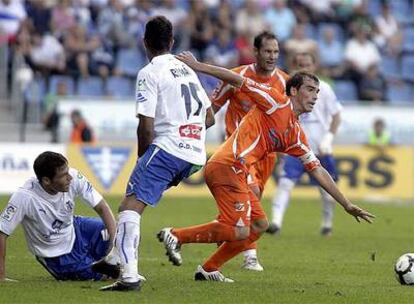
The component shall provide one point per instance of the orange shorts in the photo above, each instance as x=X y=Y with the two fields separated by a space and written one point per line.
x=236 y=202
x=262 y=170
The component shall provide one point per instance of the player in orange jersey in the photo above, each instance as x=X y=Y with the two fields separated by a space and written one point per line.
x=271 y=126
x=266 y=51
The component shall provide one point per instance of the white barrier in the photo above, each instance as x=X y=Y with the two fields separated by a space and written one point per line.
x=16 y=162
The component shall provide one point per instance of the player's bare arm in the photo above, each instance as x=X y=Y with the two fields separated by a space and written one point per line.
x=3 y=240
x=215 y=71
x=210 y=120
x=326 y=182
x=145 y=133
x=105 y=213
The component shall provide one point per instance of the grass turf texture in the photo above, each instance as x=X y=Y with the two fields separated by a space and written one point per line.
x=355 y=265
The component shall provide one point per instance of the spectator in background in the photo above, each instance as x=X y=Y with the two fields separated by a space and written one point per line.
x=78 y=47
x=222 y=50
x=344 y=10
x=331 y=51
x=373 y=86
x=321 y=10
x=299 y=43
x=223 y=17
x=52 y=117
x=62 y=18
x=40 y=15
x=378 y=137
x=250 y=18
x=200 y=28
x=360 y=54
x=281 y=19
x=361 y=18
x=244 y=47
x=111 y=25
x=177 y=15
x=81 y=132
x=389 y=31
x=47 y=54
x=13 y=14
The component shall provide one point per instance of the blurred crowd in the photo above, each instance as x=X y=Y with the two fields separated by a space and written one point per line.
x=365 y=47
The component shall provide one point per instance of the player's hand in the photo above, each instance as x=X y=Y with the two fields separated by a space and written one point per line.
x=188 y=58
x=359 y=213
x=325 y=146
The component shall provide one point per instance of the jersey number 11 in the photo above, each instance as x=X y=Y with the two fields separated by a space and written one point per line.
x=189 y=92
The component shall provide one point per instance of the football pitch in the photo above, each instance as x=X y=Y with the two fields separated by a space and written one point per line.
x=355 y=265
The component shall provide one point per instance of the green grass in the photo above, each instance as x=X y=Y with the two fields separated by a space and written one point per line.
x=300 y=265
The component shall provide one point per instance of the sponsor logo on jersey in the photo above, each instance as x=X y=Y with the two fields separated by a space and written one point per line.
x=106 y=162
x=9 y=212
x=190 y=131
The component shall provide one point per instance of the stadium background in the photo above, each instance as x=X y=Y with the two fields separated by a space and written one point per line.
x=39 y=53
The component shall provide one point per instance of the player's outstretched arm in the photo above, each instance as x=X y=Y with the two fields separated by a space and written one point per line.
x=326 y=182
x=215 y=71
x=3 y=238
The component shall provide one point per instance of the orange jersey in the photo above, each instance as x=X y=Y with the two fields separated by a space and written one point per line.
x=271 y=126
x=241 y=102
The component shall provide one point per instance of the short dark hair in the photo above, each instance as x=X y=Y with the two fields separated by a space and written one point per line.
x=47 y=163
x=158 y=34
x=298 y=79
x=258 y=40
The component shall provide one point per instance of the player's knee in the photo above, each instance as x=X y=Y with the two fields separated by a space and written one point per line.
x=242 y=233
x=261 y=225
x=286 y=184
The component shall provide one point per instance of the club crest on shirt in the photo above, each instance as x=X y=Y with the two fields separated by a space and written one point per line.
x=239 y=206
x=69 y=206
x=9 y=212
x=141 y=85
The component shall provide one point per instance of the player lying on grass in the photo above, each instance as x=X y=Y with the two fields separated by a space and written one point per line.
x=272 y=126
x=65 y=244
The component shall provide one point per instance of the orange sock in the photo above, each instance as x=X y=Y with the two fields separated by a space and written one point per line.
x=229 y=250
x=212 y=232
